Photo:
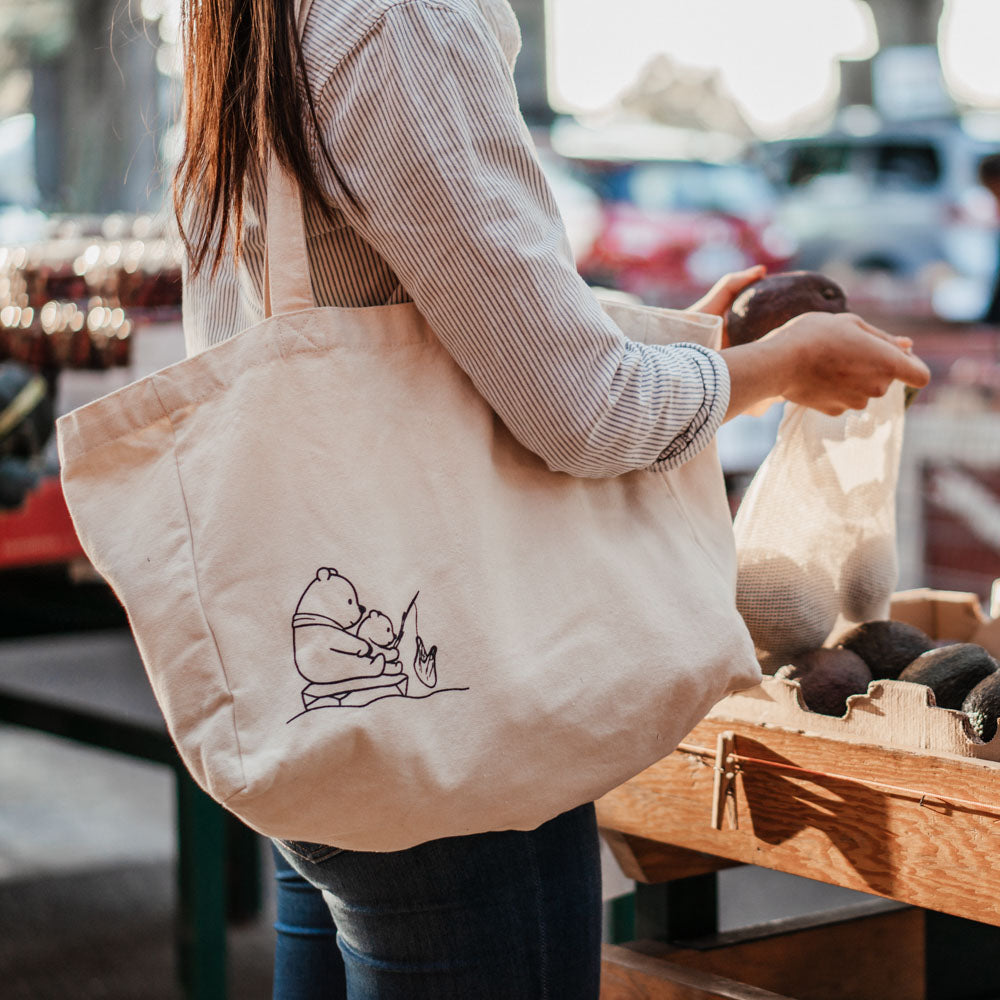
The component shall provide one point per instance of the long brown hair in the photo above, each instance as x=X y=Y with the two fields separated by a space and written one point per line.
x=242 y=100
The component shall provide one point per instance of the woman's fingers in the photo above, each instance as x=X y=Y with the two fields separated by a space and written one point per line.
x=732 y=284
x=740 y=279
x=903 y=343
x=911 y=370
x=917 y=374
x=721 y=295
x=870 y=327
x=908 y=367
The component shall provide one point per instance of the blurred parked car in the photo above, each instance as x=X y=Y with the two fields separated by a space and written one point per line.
x=672 y=227
x=898 y=212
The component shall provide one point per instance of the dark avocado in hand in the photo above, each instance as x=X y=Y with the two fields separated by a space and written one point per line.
x=774 y=299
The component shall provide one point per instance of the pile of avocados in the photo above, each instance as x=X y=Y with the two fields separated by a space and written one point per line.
x=962 y=675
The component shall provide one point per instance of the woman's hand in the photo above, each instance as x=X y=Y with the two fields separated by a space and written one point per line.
x=830 y=362
x=722 y=294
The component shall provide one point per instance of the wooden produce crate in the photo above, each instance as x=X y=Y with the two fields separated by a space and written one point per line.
x=893 y=714
x=897 y=798
x=906 y=825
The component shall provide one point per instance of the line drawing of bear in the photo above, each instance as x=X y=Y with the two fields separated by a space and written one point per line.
x=376 y=629
x=350 y=655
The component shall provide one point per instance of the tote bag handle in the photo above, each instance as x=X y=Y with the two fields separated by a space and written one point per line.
x=287 y=286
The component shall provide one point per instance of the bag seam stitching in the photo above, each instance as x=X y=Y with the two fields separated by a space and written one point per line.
x=201 y=608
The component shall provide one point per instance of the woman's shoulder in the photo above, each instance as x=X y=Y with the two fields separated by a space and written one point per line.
x=334 y=28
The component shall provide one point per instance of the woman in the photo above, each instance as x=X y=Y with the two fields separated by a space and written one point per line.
x=400 y=122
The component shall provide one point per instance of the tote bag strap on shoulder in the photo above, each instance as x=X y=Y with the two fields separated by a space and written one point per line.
x=287 y=287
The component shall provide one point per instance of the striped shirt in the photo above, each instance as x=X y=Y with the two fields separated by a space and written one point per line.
x=450 y=210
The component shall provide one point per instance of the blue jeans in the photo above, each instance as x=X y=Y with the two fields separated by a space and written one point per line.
x=494 y=916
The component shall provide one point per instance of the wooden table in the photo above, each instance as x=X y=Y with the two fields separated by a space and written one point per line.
x=920 y=833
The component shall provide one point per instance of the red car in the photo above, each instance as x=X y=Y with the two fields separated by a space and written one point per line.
x=671 y=228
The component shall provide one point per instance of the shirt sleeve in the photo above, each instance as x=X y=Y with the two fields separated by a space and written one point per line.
x=422 y=124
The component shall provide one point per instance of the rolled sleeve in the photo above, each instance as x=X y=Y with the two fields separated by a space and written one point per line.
x=440 y=178
x=714 y=374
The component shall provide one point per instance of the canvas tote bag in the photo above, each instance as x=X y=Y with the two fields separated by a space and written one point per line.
x=370 y=616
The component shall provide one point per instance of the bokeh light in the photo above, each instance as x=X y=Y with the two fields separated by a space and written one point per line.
x=970 y=30
x=778 y=58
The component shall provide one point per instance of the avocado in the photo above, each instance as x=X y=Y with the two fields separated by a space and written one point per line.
x=788 y=609
x=827 y=678
x=773 y=300
x=886 y=646
x=951 y=672
x=982 y=706
x=868 y=579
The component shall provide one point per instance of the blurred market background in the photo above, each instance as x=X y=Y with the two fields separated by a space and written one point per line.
x=683 y=140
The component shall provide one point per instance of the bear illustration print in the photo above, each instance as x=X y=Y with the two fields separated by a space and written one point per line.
x=376 y=629
x=350 y=655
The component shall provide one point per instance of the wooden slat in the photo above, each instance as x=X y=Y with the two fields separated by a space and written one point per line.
x=833 y=829
x=886 y=958
x=628 y=975
x=891 y=714
x=651 y=861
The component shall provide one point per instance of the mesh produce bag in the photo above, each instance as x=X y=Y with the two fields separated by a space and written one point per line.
x=816 y=531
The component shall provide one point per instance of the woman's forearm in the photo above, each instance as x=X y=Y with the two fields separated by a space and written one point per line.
x=756 y=373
